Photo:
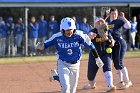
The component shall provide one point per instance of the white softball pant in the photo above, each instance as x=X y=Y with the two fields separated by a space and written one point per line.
x=68 y=75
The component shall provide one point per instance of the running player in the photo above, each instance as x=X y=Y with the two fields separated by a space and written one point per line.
x=68 y=44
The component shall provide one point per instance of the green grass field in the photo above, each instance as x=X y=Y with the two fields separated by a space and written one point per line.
x=51 y=58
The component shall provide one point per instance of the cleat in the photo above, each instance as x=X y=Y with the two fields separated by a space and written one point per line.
x=89 y=86
x=128 y=84
x=54 y=76
x=121 y=85
x=111 y=88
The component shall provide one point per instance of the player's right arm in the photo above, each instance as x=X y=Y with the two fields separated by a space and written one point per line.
x=48 y=43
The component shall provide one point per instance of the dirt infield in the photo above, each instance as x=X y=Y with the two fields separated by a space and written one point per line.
x=33 y=78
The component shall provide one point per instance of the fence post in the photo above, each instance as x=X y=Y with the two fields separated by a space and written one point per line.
x=26 y=32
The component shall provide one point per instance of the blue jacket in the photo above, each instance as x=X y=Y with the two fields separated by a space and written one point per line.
x=33 y=31
x=77 y=25
x=3 y=29
x=10 y=28
x=42 y=32
x=133 y=26
x=53 y=26
x=85 y=27
x=19 y=28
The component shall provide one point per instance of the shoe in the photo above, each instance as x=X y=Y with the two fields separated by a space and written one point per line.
x=111 y=88
x=136 y=49
x=131 y=49
x=30 y=54
x=89 y=86
x=53 y=75
x=34 y=54
x=121 y=85
x=128 y=84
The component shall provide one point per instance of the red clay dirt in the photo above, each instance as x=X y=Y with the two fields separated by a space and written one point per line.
x=34 y=78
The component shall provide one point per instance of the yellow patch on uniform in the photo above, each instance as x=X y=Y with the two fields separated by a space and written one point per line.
x=111 y=26
x=100 y=40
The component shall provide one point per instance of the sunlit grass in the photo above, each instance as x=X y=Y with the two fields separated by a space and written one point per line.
x=51 y=58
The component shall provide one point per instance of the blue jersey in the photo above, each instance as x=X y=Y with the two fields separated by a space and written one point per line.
x=69 y=48
x=116 y=28
x=42 y=32
x=133 y=26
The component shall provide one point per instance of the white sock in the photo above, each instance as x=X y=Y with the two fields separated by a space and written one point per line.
x=109 y=78
x=125 y=74
x=92 y=83
x=120 y=75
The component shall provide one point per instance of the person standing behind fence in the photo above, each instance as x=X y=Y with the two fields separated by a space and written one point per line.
x=133 y=32
x=2 y=37
x=10 y=36
x=19 y=31
x=76 y=23
x=33 y=35
x=52 y=29
x=42 y=32
x=52 y=26
x=84 y=26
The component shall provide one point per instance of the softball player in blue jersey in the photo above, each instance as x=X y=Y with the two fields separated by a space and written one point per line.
x=101 y=45
x=68 y=44
x=120 y=46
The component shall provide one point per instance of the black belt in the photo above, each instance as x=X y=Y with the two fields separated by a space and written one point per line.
x=71 y=62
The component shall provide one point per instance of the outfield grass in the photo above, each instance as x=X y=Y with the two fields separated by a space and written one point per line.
x=51 y=58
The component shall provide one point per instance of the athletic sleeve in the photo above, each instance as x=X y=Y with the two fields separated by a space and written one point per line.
x=51 y=41
x=84 y=38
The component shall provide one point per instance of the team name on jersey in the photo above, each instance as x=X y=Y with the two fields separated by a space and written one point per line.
x=100 y=39
x=68 y=45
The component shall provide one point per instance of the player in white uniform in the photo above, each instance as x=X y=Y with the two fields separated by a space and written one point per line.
x=68 y=44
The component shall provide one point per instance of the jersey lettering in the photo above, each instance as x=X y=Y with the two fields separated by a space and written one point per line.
x=100 y=40
x=68 y=45
x=69 y=51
